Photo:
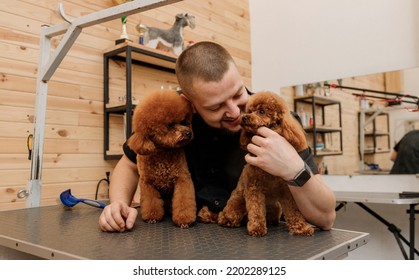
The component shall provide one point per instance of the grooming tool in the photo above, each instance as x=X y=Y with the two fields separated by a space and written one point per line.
x=69 y=200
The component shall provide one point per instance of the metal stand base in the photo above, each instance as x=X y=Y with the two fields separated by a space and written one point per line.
x=394 y=229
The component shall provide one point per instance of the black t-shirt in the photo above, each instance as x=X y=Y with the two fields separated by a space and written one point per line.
x=407 y=160
x=215 y=161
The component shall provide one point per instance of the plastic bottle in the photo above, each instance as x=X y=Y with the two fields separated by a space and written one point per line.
x=319 y=142
x=303 y=116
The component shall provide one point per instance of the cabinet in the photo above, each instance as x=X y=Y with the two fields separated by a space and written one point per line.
x=323 y=125
x=130 y=53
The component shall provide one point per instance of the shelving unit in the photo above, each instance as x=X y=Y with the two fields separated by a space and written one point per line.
x=324 y=129
x=374 y=127
x=376 y=130
x=130 y=53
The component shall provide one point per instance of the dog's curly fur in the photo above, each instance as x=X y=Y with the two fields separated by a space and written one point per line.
x=258 y=194
x=162 y=126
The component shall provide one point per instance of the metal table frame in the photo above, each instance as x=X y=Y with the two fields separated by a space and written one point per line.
x=359 y=198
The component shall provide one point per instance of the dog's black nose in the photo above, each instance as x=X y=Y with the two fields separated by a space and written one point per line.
x=244 y=119
x=188 y=134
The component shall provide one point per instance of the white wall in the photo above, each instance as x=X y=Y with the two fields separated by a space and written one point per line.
x=296 y=42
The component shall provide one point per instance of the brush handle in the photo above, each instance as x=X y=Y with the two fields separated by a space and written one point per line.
x=93 y=203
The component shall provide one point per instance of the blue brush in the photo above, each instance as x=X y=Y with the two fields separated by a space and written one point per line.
x=69 y=200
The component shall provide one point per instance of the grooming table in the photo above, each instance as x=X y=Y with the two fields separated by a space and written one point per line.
x=56 y=233
x=384 y=189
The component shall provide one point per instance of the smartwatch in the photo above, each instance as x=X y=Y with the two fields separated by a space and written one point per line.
x=302 y=177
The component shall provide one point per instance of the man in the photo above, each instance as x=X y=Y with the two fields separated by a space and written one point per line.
x=406 y=154
x=210 y=80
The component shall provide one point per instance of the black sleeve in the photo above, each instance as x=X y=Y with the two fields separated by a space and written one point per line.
x=307 y=154
x=129 y=153
x=308 y=157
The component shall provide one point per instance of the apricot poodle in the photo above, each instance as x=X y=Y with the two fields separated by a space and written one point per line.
x=263 y=197
x=162 y=126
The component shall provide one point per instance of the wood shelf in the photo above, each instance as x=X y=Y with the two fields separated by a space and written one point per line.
x=328 y=153
x=322 y=128
x=319 y=100
x=145 y=54
x=376 y=151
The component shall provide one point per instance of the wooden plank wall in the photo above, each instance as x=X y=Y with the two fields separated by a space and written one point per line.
x=73 y=152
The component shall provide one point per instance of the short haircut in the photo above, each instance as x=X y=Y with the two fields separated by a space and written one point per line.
x=205 y=61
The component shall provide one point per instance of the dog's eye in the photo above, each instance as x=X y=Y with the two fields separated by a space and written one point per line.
x=171 y=125
x=261 y=112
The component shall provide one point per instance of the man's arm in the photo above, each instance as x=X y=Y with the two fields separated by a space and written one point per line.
x=316 y=202
x=124 y=181
x=274 y=154
x=118 y=215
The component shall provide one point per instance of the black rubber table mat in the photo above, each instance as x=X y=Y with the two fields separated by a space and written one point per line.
x=54 y=232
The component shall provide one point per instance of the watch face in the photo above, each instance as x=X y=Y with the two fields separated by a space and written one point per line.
x=303 y=178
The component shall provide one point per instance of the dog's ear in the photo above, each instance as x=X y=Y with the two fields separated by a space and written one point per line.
x=293 y=132
x=141 y=145
x=245 y=139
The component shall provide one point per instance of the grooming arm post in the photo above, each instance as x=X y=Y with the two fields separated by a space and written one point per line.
x=34 y=187
x=74 y=28
x=48 y=64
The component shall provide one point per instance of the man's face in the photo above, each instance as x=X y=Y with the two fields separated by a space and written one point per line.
x=221 y=103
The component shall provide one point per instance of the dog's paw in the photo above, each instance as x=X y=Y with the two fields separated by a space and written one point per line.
x=301 y=229
x=184 y=226
x=184 y=220
x=256 y=230
x=151 y=221
x=227 y=221
x=257 y=233
x=152 y=215
x=206 y=216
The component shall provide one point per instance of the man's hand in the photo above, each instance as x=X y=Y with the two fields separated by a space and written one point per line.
x=117 y=216
x=274 y=154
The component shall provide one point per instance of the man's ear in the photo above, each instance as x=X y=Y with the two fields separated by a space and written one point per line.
x=185 y=95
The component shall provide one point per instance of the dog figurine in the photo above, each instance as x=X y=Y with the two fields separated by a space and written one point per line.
x=168 y=38
x=260 y=195
x=162 y=126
